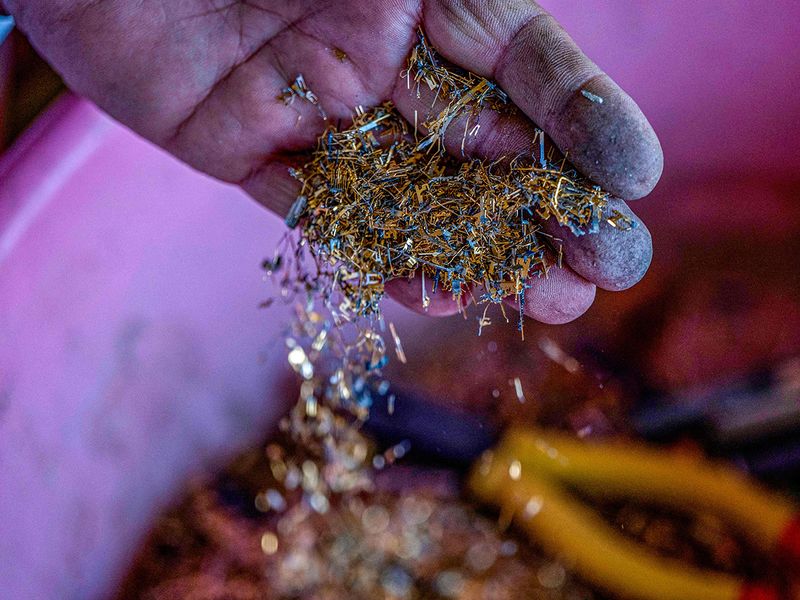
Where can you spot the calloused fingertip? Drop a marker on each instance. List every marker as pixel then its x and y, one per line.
pixel 409 293
pixel 560 297
pixel 613 259
pixel 608 138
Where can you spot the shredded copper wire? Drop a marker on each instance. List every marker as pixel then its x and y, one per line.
pixel 377 204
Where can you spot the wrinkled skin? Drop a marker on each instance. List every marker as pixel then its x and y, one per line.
pixel 200 78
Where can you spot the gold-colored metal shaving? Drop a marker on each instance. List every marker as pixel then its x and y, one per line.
pixel 376 204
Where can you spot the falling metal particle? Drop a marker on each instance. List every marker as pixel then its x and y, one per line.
pixel 483 321
pixel 319 341
pixel 297 357
pixel 269 543
pixel 554 352
pixel 534 506
pixel 319 503
pixel 311 407
pixel 518 390
pixel 398 345
pixel 275 500
pixel 426 301
pixel 272 266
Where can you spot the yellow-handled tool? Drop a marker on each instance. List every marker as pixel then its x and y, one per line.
pixel 526 475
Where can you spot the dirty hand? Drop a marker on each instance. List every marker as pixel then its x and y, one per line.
pixel 201 79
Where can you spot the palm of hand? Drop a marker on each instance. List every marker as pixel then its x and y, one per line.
pixel 202 79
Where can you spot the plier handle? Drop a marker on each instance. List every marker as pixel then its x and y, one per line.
pixel 528 473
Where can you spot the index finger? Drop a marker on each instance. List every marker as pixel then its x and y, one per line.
pixel 524 49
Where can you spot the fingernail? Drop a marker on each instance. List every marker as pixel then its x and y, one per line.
pixel 6 25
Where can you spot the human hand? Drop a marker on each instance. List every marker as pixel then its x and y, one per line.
pixel 201 79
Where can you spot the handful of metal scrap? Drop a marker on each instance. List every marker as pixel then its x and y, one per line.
pixel 378 203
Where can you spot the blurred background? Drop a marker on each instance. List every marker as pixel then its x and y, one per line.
pixel 702 358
